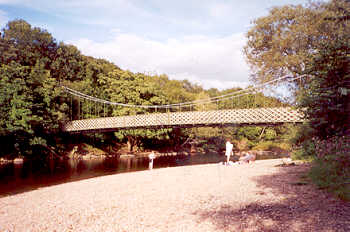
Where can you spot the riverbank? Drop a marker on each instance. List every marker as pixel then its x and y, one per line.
pixel 262 196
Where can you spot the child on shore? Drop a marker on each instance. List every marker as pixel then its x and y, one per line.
pixel 247 158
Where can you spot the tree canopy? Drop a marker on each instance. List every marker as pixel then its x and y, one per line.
pixel 313 40
pixel 284 42
pixel 33 68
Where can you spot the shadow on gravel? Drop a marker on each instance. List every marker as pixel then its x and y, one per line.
pixel 303 208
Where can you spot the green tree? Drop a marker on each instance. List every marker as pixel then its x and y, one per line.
pixel 281 43
pixel 25 45
pixel 68 64
pixel 136 90
pixel 31 101
pixel 204 103
pixel 326 98
pixel 15 106
pixel 177 91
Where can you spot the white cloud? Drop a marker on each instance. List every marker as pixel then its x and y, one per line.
pixel 220 10
pixel 209 61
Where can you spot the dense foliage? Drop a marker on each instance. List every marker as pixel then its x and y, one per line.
pixel 332 165
pixel 327 98
pixel 34 66
pixel 327 95
pixel 314 41
pixel 30 100
pixel 285 41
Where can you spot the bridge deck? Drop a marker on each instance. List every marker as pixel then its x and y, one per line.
pixel 188 119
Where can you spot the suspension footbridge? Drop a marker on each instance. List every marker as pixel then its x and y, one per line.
pixel 258 116
pixel 186 114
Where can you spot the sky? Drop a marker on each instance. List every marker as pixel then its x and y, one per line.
pixel 197 40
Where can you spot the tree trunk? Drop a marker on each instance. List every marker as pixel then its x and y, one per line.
pixel 262 132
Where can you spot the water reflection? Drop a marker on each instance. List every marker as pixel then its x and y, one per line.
pixel 30 175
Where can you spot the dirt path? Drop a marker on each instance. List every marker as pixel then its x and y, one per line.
pixel 256 197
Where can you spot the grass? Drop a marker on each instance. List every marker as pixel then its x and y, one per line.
pixel 330 164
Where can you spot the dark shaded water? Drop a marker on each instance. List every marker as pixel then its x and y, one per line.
pixel 31 175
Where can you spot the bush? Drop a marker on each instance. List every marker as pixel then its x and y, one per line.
pixel 270 134
pixel 241 144
pixel 299 134
pixel 271 146
pixel 307 151
pixel 331 167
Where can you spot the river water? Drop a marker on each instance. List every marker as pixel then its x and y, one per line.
pixel 31 175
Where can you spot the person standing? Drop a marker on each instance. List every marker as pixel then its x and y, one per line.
pixel 151 157
pixel 229 147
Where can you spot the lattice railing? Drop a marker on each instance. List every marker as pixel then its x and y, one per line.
pixel 186 119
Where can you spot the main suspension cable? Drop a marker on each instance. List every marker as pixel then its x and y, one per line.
pixel 232 95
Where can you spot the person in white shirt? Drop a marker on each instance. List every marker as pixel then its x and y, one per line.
pixel 229 152
pixel 151 157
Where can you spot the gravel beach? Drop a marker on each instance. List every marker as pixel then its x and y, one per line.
pixel 251 197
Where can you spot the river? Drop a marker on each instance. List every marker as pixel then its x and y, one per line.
pixel 30 175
